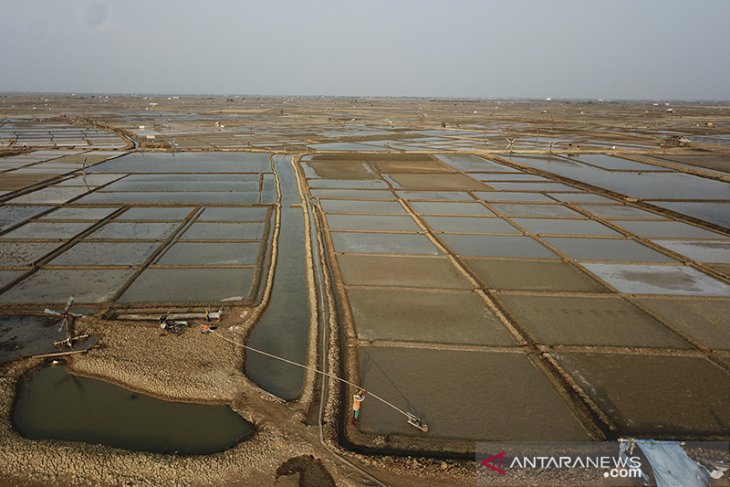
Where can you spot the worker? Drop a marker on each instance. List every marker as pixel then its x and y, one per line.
pixel 357 400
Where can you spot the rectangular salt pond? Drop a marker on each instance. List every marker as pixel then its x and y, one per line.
pixel 25 254
pixel 621 212
pixel 105 254
pixel 80 214
pixel 614 163
pixel 490 196
pixel 383 243
pixel 134 231
pixel 530 210
pixel 715 251
pixel 601 249
pixel 659 279
pixel 155 214
pixel 171 198
pixel 198 254
pixel 554 226
pixel 354 194
pixel 372 207
pixel 192 286
pixel 420 315
pixel 346 184
pixel 224 231
pixel 449 208
pixel 46 231
pixel 252 214
pixel 52 286
pixel 455 224
pixel 496 246
pixel 372 222
pixel 668 229
pixel 186 162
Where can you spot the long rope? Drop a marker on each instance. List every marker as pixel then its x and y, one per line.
pixel 314 369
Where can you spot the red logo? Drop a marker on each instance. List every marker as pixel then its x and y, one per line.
pixel 488 462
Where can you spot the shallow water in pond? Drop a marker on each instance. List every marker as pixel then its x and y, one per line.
pixel 54 404
pixel 283 329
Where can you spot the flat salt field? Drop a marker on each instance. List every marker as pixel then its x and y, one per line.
pixel 633 390
pixel 495 295
pixel 406 271
pixel 383 243
pixel 556 265
pixel 425 316
pixel 496 246
pixel 151 211
pixel 192 285
pixel 372 222
pixel 532 411
pixel 556 320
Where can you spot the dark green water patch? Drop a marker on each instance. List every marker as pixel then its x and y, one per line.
pixel 53 404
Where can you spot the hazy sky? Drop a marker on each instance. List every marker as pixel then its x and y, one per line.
pixel 656 49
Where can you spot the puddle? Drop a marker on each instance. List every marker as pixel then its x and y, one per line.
pixel 54 404
pixel 283 329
